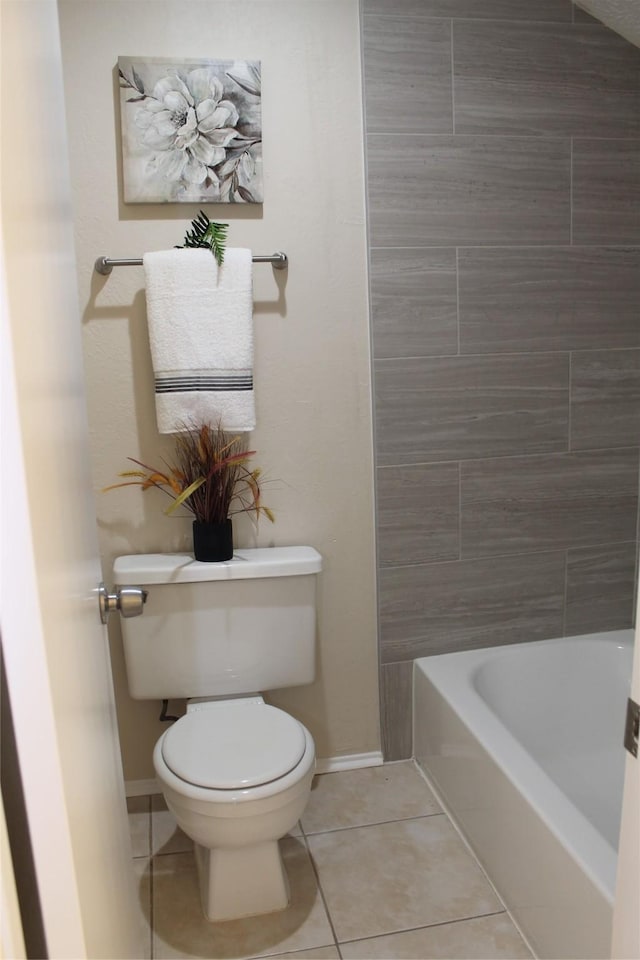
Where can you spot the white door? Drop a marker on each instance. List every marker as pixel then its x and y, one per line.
pixel 55 648
pixel 626 916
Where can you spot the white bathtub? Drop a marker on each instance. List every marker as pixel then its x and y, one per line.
pixel 523 744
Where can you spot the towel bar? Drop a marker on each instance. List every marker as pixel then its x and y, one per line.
pixel 105 265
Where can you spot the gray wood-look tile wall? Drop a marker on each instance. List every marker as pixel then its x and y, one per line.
pixel 503 174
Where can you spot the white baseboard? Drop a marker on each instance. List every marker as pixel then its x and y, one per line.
pixel 352 761
pixel 141 788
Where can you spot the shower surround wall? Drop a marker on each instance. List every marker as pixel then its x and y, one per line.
pixel 503 155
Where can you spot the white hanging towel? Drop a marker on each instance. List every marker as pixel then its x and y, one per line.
pixel 200 320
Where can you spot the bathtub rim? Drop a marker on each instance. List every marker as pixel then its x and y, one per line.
pixel 568 824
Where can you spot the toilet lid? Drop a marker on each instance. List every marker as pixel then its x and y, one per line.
pixel 233 744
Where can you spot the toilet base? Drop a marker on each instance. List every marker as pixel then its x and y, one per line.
pixel 240 882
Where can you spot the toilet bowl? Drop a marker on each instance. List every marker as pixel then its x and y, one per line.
pixel 236 774
pixel 235 771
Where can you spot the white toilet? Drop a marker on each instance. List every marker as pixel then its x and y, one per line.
pixel 235 771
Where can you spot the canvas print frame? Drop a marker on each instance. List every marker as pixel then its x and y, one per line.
pixel 191 130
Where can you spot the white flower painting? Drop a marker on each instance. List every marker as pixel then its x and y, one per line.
pixel 191 130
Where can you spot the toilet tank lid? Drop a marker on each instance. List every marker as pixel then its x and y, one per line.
pixel 246 564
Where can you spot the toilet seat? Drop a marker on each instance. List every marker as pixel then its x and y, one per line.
pixel 233 744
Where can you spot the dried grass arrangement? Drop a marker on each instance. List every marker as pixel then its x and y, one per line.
pixel 209 476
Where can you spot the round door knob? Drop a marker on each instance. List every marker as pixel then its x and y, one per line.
pixel 128 601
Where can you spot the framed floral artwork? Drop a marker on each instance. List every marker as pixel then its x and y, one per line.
pixel 191 130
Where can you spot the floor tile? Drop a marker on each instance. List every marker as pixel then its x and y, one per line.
pixel 166 835
pixel 316 953
pixel 139 825
pixel 353 798
pixel 181 930
pixel 395 876
pixel 142 874
pixel 483 938
pixel 138 804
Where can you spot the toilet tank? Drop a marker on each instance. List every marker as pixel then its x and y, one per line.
pixel 210 629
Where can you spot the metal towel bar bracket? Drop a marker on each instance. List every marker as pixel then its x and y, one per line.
pixel 105 265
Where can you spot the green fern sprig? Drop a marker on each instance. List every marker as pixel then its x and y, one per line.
pixel 207 233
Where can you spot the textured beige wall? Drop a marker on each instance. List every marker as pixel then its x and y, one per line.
pixel 312 367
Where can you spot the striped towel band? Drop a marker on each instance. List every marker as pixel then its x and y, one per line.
pixel 188 384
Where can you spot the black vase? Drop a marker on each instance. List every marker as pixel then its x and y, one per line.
pixel 212 542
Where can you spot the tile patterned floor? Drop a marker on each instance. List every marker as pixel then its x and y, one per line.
pixel 376 871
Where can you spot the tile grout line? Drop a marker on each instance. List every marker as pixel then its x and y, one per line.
pixel 151 871
pixel 560 351
pixel 427 926
pixel 570 391
pixel 453 99
pixel 504 456
pixel 459 510
pixel 557 548
pixel 566 591
pixel 472 852
pixel 149 828
pixel 151 912
pixel 321 891
pixel 503 911
pixel 635 568
pixel 580 452
pixel 410 18
pixel 507 246
pixel 458 299
pixel 336 943
pixel 535 138
pixel 173 853
pixel 377 823
pixel 571 192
